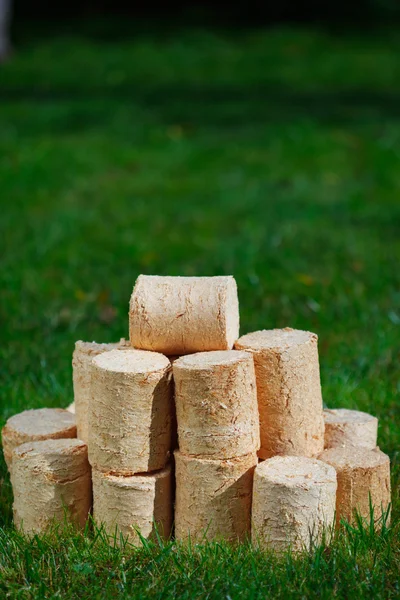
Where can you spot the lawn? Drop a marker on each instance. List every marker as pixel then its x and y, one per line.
pixel 272 155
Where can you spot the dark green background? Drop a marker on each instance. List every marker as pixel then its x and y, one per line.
pixel 269 154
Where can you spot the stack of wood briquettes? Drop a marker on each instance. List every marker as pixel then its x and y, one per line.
pixel 257 454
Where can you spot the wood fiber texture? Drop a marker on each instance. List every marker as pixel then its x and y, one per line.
pixel 363 480
pixel 34 425
pixel 138 504
pixel 182 315
pixel 293 502
pixel 51 482
pixel 213 497
pixel 350 428
pixel 131 415
pixel 81 373
pixel 216 404
pixel 288 390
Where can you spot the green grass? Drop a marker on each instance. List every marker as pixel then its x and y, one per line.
pixel 273 155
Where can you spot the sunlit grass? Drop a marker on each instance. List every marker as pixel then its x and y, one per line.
pixel 273 155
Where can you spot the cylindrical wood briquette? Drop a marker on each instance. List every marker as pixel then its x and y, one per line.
pixel 293 502
pixel 363 482
pixel 216 404
pixel 345 427
pixel 131 412
pixel 51 482
pixel 133 505
pixel 82 371
pixel 213 497
pixel 182 315
pixel 34 425
pixel 288 391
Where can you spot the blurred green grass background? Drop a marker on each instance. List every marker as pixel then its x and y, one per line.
pixel 272 155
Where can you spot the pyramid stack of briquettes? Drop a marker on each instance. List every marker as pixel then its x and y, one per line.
pixel 257 454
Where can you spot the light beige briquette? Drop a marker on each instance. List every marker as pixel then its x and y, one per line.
pixel 81 373
pixel 182 315
pixel 131 414
pixel 133 505
pixel 51 482
pixel 216 404
pixel 345 427
pixel 293 503
pixel 34 425
pixel 363 476
pixel 288 390
pixel 213 497
pixel 71 408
